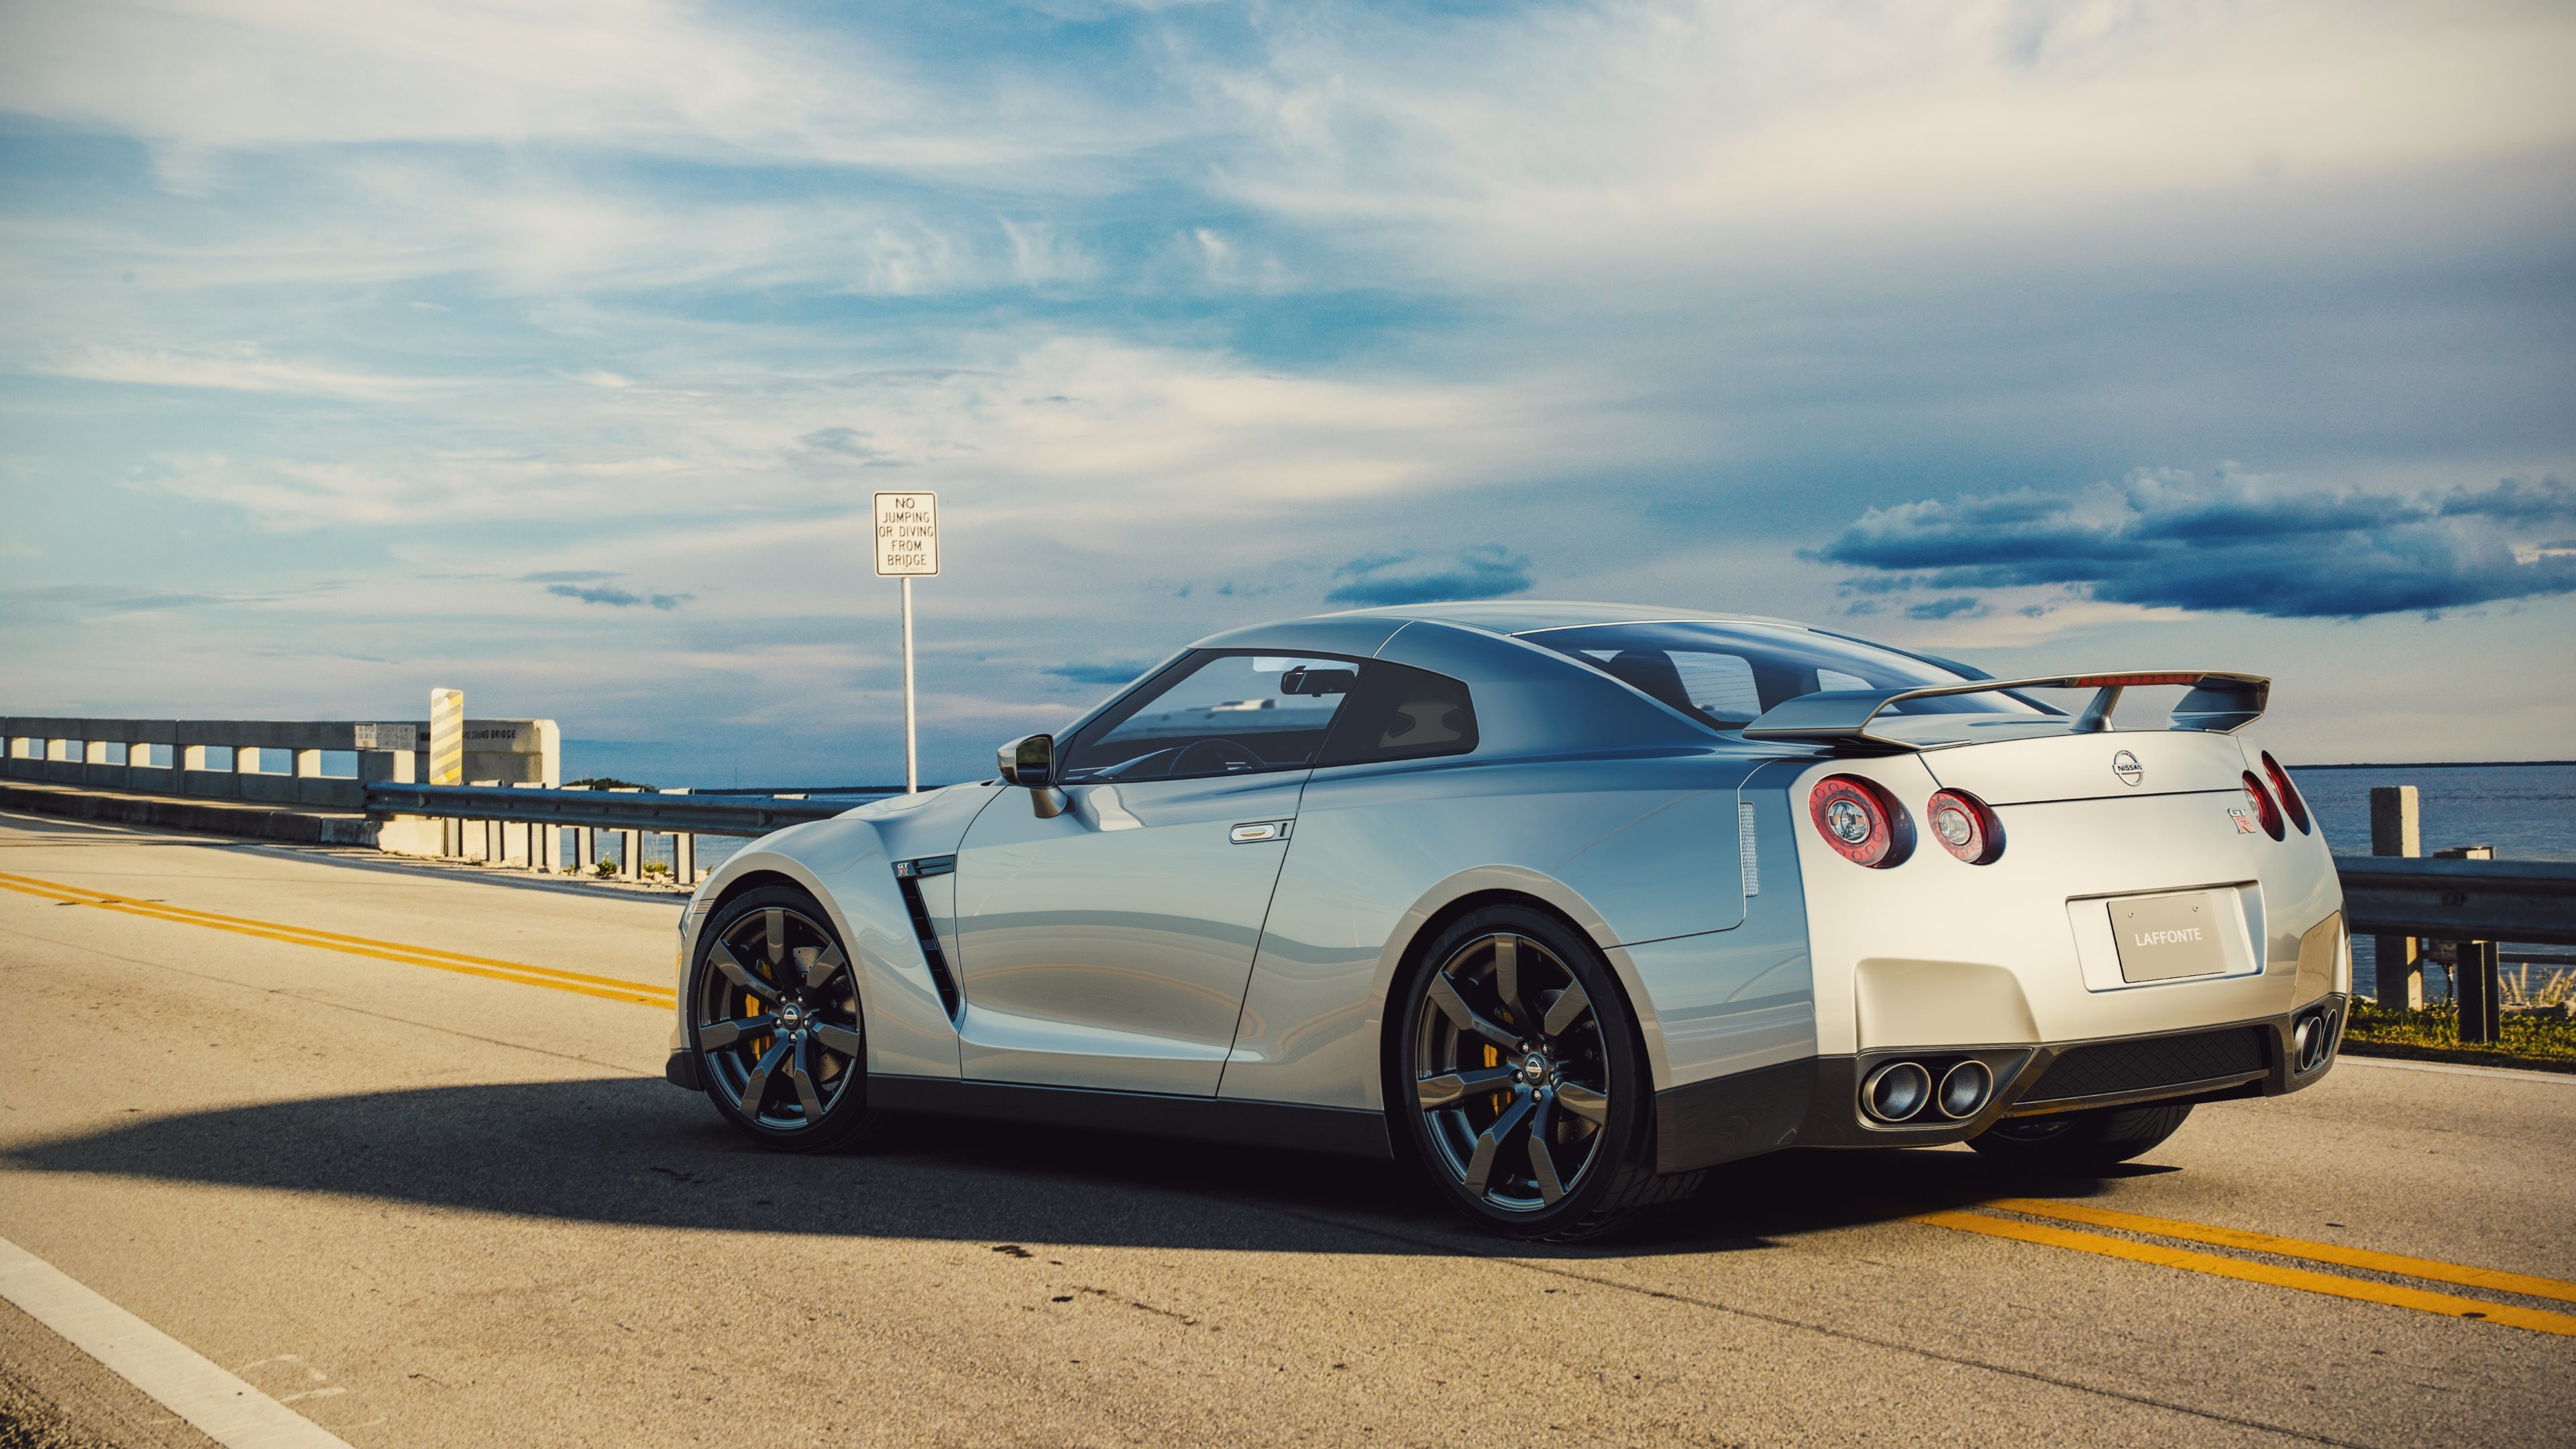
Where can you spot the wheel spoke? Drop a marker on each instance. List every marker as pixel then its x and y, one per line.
pixel 1542 1158
pixel 773 923
pixel 1507 978
pixel 837 1038
pixel 1480 1168
pixel 756 1086
pixel 1450 1088
pixel 800 1070
pixel 717 1035
pixel 1583 1102
pixel 820 964
pixel 739 974
pixel 1569 1005
pixel 1445 996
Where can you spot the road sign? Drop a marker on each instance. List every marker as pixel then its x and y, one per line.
pixel 907 535
pixel 908 548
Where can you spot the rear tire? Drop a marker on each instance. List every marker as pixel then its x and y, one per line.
pixel 1517 1076
pixel 775 1023
pixel 2081 1142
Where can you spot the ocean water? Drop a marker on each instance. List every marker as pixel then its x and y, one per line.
pixel 2527 812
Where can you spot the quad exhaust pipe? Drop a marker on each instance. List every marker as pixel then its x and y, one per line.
pixel 2312 1040
pixel 1900 1091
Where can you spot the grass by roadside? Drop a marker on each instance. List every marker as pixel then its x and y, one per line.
pixel 2534 1043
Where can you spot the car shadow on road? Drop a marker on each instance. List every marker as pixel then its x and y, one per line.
pixel 635 1151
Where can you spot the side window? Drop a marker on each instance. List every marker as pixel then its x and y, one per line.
pixel 1218 714
pixel 1401 713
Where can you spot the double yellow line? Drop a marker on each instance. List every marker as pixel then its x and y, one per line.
pixel 607 988
pixel 2306 1280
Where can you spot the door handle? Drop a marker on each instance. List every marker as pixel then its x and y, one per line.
pixel 1258 831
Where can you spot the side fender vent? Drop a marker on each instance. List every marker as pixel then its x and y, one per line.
pixel 907 879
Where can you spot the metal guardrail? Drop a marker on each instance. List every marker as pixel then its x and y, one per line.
pixel 602 809
pixel 2459 900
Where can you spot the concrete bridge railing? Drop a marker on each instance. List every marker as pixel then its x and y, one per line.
pixel 275 762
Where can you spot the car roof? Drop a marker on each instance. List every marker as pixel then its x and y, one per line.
pixel 1520 616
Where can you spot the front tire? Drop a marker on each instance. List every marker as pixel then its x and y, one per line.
pixel 1518 1077
pixel 776 1025
pixel 2081 1143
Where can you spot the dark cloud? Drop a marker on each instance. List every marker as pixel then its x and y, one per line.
pixel 848 442
pixel 618 598
pixel 2229 542
pixel 1113 672
pixel 1949 608
pixel 567 576
pixel 1485 571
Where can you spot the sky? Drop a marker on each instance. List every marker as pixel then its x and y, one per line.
pixel 554 352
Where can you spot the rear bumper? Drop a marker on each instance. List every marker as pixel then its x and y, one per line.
pixel 1817 1102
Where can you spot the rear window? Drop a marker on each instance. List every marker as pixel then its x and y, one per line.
pixel 1728 675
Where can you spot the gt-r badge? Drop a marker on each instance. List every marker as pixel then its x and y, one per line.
pixel 2244 819
pixel 2126 766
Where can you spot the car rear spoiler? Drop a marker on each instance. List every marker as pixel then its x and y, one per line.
pixel 2218 703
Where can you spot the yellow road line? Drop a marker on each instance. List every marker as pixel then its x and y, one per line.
pixel 2399 1264
pixel 608 988
pixel 2445 1304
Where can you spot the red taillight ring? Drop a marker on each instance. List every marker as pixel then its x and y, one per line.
pixel 2288 792
pixel 1862 822
pixel 1980 836
pixel 2264 809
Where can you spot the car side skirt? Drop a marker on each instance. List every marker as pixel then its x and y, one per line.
pixel 1343 1130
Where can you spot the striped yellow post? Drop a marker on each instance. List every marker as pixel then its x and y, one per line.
pixel 447 737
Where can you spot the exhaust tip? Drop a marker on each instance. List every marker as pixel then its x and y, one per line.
pixel 1964 1089
pixel 1896 1092
pixel 2312 1040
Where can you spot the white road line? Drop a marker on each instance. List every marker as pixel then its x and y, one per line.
pixel 2452 1069
pixel 231 1412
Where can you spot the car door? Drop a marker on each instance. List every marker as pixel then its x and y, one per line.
pixel 1108 946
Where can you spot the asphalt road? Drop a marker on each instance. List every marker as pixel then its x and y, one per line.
pixel 428 1198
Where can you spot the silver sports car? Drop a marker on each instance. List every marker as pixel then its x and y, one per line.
pixel 1564 902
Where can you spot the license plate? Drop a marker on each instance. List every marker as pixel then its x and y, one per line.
pixel 2164 938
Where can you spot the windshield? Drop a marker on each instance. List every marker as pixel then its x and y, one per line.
pixel 1728 675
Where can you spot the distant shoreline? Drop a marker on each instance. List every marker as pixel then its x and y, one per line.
pixel 2435 765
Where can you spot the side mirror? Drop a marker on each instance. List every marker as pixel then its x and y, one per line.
pixel 1028 761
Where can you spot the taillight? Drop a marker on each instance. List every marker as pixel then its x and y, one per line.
pixel 2288 792
pixel 2264 809
pixel 1863 823
pixel 1965 827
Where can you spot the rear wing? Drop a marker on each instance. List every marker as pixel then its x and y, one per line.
pixel 2218 703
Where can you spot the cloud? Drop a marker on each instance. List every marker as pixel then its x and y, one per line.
pixel 617 598
pixel 848 442
pixel 1949 608
pixel 239 369
pixel 567 576
pixel 1110 673
pixel 2229 542
pixel 1485 571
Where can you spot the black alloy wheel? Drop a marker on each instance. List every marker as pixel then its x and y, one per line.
pixel 1520 1080
pixel 775 1021
pixel 2081 1143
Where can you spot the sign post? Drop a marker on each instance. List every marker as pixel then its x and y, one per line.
pixel 908 547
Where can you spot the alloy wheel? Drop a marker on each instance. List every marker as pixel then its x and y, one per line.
pixel 1512 1078
pixel 777 1018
